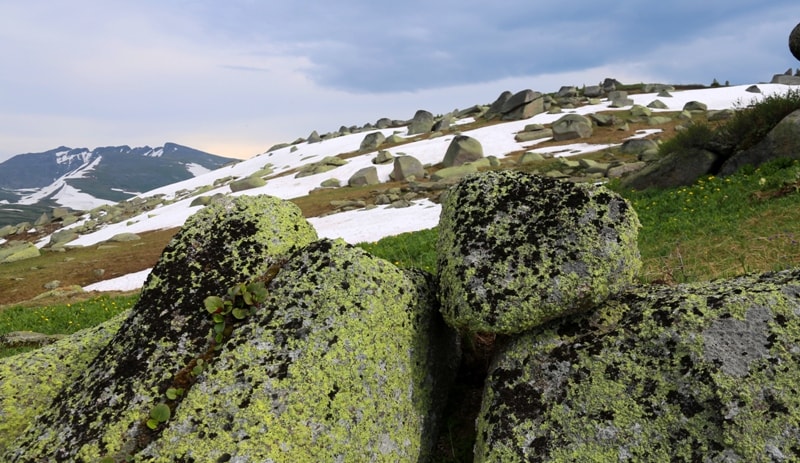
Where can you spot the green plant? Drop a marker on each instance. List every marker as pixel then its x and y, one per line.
pixel 159 414
pixel 240 301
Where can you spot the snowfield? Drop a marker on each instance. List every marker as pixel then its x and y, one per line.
pixel 374 224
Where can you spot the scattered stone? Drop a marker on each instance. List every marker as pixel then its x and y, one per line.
pixel 658 120
pixel 124 238
pixel 783 141
pixel 640 111
pixel 680 168
pixel 406 167
pixel 638 146
pixel 365 176
pixel 695 106
pixel 657 104
pixel 462 149
pixel 51 285
pixel 330 183
pixel 421 123
pixel 7 230
pixel 753 89
pixel 99 272
pixel 688 373
pixel 720 115
pixel 602 120
pixel 530 157
pixel 372 141
pixel 516 250
pixel 523 105
pixel 593 167
pixel 383 157
pixel 527 136
pixel 17 251
pixel 314 137
pixel 572 126
pixel 455 171
pixel 593 91
pixel 43 219
pixel 328 163
pixel 664 94
pixel 624 169
pixel 247 183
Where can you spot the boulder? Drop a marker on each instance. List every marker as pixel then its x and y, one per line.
pixel 365 176
pixel 247 183
pixel 720 114
pixel 638 146
pixel 421 123
pixel 6 230
pixel 704 372
pixel 372 141
pixel 530 157
pixel 593 91
pixel 785 79
pixel 680 168
pixel 495 109
pixel 34 378
pixel 314 137
pixel 124 237
pixel 695 106
pixel 346 360
pixel 17 251
pixel 783 141
pixel 572 126
pixel 383 157
pixel 625 169
pixel 62 237
pixel 43 219
pixel 330 183
pixel 462 149
pixel 102 413
pixel 532 135
pixel 406 167
pixel 328 163
pixel 522 105
pixel 794 41
pixel 753 89
pixel 454 172
pixel 640 111
pixel 516 250
pixel 657 104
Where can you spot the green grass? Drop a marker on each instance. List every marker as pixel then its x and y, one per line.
pixel 415 249
pixel 61 318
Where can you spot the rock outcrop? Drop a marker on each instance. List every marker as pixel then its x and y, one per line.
pixel 783 141
pixel 102 412
pixel 703 372
pixel 517 250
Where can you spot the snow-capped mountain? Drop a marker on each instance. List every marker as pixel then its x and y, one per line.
pixel 81 179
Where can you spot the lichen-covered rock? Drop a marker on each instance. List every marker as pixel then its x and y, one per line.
pixel 345 361
pixel 572 126
pixel 29 381
pixel 247 183
pixel 18 251
pixel 406 167
pixel 516 250
pixel 462 149
pixel 103 412
pixel 706 372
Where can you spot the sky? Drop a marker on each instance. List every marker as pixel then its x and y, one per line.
pixel 233 78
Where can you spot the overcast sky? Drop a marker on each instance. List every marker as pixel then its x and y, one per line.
pixel 234 77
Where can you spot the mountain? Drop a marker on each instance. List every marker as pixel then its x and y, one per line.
pixel 81 179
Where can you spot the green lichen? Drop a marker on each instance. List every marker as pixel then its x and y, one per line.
pixel 103 412
pixel 706 372
pixel 517 250
pixel 339 364
pixel 29 381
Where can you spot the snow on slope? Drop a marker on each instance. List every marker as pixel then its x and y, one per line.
pixel 373 224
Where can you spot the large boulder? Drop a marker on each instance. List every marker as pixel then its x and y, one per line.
pixel 783 141
pixel 522 105
pixel 495 109
pixel 407 167
pixel 462 149
pixel 247 183
pixel 516 250
pixel 16 251
pixel 572 126
pixel 705 372
pixel 102 413
pixel 365 176
pixel 794 42
pixel 421 123
pixel 29 381
pixel 679 168
pixel 347 360
pixel 372 141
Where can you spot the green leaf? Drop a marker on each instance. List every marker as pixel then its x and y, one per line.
pixel 218 318
pixel 240 314
pixel 213 303
pixel 160 413
pixel 152 424
pixel 218 338
pixel 197 370
pixel 173 393
pixel 258 290
pixel 219 328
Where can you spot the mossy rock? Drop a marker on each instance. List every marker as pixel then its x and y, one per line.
pixel 704 372
pixel 19 252
pixel 516 250
pixel 29 381
pixel 247 183
pixel 103 412
pixel 347 360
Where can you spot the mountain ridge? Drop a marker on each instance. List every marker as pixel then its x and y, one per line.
pixel 80 178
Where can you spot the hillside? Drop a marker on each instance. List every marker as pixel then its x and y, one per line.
pixel 80 179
